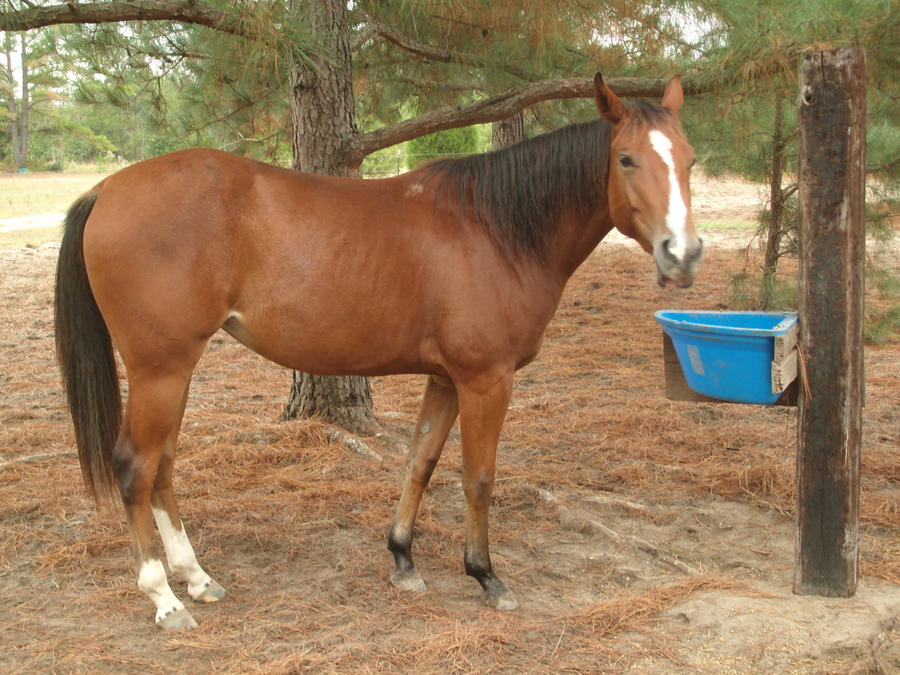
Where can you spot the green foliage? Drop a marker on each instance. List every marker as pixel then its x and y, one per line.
pixel 883 144
pixel 756 48
pixel 884 326
pixel 783 293
pixel 386 162
pixel 883 313
pixel 453 142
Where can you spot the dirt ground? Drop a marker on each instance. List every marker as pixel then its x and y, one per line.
pixel 641 535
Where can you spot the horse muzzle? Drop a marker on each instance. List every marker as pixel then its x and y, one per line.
pixel 676 266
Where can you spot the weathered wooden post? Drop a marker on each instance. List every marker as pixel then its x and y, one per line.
pixel 832 119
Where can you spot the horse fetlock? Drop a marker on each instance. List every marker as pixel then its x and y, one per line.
pixel 400 544
pixel 479 567
pixel 153 582
pixel 495 594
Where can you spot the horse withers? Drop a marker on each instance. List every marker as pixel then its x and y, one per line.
pixel 452 271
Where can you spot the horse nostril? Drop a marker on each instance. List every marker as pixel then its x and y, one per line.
pixel 667 250
pixel 695 252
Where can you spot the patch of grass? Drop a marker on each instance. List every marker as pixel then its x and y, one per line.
pixel 724 225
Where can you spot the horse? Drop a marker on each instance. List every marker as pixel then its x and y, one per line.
pixel 452 271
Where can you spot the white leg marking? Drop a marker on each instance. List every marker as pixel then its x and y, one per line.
pixel 152 581
pixel 676 215
pixel 180 554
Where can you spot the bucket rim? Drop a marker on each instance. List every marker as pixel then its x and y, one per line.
pixel 667 321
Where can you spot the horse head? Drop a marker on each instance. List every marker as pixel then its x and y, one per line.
pixel 649 180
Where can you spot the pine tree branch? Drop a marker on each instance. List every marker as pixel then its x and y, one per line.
pixel 185 11
pixel 495 108
pixel 372 28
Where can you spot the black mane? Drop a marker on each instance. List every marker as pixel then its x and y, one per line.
pixel 518 193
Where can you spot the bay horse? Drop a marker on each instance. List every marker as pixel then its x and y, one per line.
pixel 452 271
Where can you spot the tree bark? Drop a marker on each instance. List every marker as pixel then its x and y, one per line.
pixel 322 114
pixel 20 153
pixel 776 209
pixel 187 11
pixel 18 108
pixel 508 132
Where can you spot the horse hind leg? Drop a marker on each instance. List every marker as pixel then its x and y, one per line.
pixel 152 418
pixel 179 553
pixel 438 412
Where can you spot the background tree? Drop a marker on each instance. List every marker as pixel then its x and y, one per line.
pixel 508 131
pixel 30 75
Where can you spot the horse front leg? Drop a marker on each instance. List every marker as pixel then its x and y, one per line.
pixel 482 409
pixel 439 410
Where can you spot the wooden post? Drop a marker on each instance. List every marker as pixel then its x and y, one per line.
pixel 832 109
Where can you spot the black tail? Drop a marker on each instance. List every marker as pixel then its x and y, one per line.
pixel 86 358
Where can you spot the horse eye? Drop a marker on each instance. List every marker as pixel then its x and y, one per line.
pixel 626 162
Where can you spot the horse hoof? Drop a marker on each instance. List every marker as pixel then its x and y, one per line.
pixel 178 620
pixel 408 580
pixel 212 592
pixel 504 601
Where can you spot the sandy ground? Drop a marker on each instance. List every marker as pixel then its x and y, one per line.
pixel 641 535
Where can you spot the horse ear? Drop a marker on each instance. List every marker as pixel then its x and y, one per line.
pixel 673 98
pixel 610 107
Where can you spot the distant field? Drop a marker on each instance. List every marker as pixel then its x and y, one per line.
pixel 31 237
pixel 32 204
pixel 37 193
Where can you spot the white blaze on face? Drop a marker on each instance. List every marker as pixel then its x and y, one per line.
pixel 676 214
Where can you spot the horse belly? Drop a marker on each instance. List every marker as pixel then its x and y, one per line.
pixel 328 340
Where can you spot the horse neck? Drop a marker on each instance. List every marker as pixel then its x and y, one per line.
pixel 575 237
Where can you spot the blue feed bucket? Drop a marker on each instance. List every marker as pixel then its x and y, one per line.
pixel 727 355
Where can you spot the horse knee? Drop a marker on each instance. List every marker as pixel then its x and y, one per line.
pixel 423 469
pixel 478 488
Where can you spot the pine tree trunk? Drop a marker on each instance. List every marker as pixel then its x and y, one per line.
pixel 14 106
pixel 776 209
pixel 21 153
pixel 508 131
pixel 322 115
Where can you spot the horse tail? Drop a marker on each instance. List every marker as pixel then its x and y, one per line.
pixel 86 359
